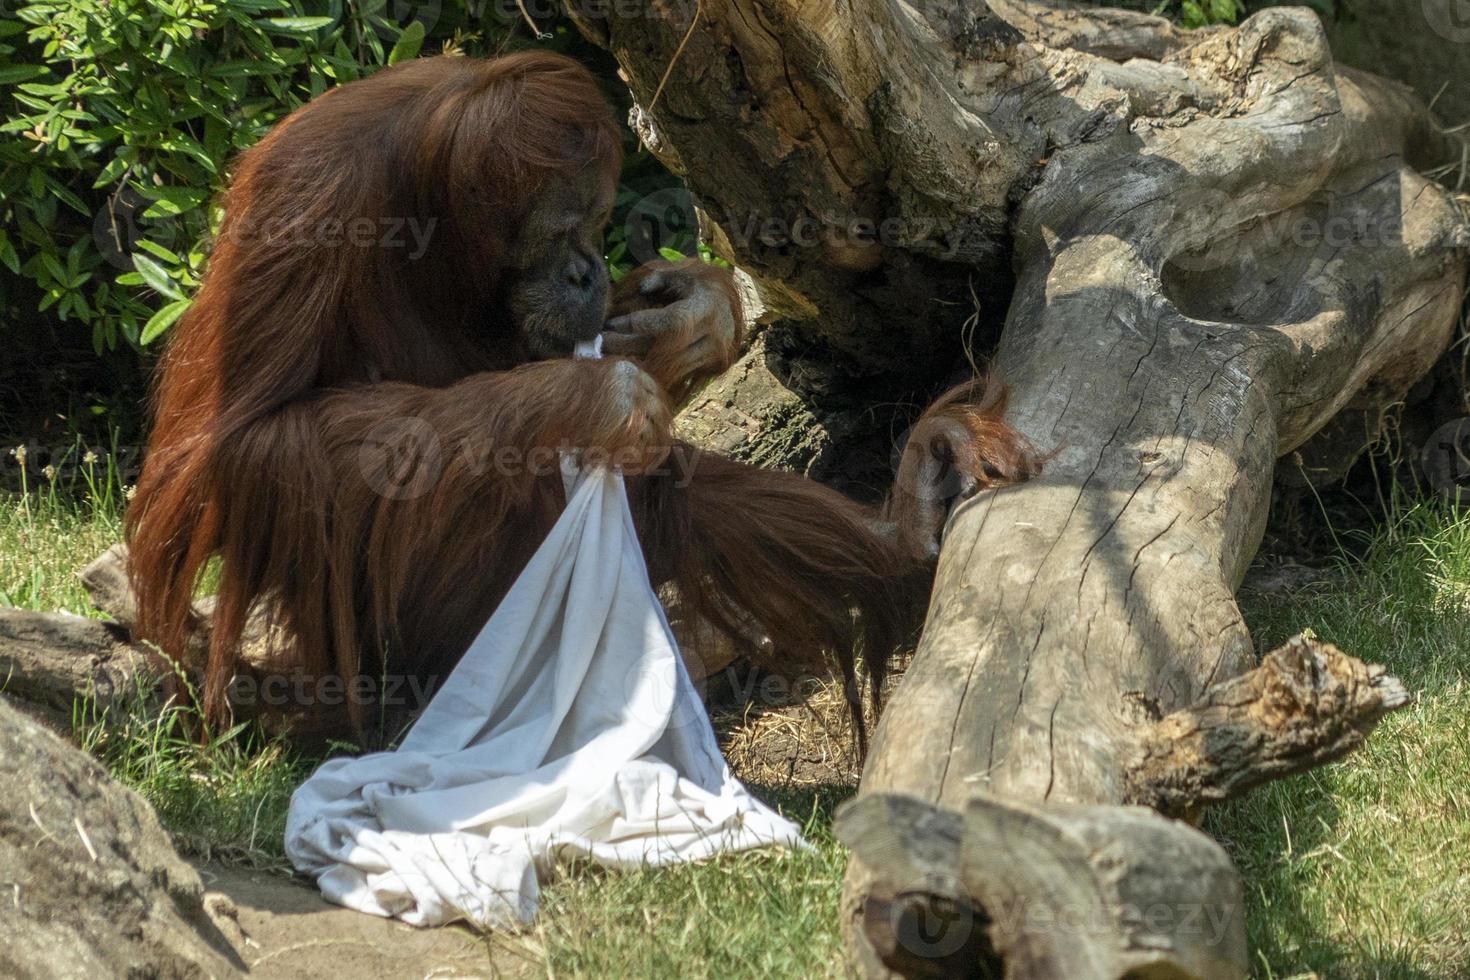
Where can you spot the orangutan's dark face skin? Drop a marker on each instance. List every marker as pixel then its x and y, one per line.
pixel 558 281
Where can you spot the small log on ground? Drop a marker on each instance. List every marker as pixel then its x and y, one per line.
pixel 106 580
pixel 1082 892
pixel 107 584
pixel 707 650
pixel 281 703
pixel 51 660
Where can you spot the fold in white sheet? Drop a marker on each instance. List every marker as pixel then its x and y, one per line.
pixel 569 729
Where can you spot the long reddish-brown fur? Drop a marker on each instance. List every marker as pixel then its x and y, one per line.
pixel 301 362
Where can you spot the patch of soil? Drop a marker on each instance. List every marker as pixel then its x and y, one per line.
pixel 284 930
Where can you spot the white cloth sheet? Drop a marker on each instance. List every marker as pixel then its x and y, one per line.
pixel 570 728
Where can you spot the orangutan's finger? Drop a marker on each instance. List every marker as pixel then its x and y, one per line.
pixel 659 320
pixel 616 344
pixel 652 283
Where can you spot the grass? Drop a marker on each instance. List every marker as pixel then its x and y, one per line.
pixel 1360 869
pixel 225 799
pixel 751 915
pixel 70 515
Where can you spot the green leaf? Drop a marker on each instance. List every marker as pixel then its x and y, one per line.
pixel 112 171
pixel 11 74
pixel 162 320
pixel 67 197
pixel 54 267
pixel 153 248
pixel 155 276
pixel 298 25
pixel 189 145
pixel 7 254
pixel 169 200
pixel 49 90
pixel 672 254
pixel 409 43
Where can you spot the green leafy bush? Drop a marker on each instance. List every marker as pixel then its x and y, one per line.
pixel 1201 13
pixel 122 117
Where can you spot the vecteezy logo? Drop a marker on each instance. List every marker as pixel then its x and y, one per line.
pixel 1450 19
pixel 120 224
pixel 932 926
pixel 663 219
pixel 401 458
pixel 1445 459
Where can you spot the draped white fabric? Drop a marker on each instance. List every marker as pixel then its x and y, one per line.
pixel 570 728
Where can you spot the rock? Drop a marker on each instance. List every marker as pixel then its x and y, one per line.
pixel 106 582
pixel 90 885
pixel 706 649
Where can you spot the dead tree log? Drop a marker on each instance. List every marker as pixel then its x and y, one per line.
pixel 51 660
pixel 1082 892
pixel 1219 241
pixel 1106 891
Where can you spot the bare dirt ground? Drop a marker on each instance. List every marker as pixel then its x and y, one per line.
pixel 284 930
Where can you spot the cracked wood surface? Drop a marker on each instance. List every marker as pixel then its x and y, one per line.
pixel 1306 704
pixel 1081 892
pixel 1105 891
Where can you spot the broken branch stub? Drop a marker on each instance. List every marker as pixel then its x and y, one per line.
pixel 1307 704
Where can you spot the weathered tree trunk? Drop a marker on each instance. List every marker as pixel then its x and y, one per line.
pixel 1220 240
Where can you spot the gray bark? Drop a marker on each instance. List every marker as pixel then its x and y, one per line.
pixel 51 660
pixel 1082 892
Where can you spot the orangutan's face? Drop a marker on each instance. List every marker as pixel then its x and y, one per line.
pixel 557 290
